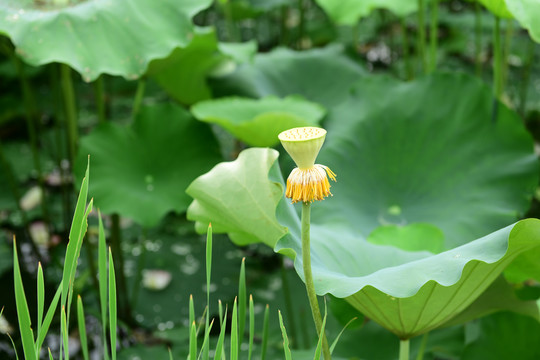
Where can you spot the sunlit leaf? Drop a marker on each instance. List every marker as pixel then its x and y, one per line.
pixel 258 122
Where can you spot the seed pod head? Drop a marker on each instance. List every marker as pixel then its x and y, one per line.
pixel 303 144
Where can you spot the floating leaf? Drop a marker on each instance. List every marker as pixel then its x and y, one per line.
pixel 141 171
pixel 99 36
pixel 320 75
pixel 258 122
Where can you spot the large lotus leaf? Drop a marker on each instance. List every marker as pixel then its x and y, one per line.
pixel 348 12
pixel 183 73
pixel 258 122
pixel 99 36
pixel 141 171
pixel 527 13
pixel 427 151
pixel 320 75
pixel 407 292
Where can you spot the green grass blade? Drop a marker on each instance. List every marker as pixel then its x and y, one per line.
pixel 193 341
pixel 40 301
pixel 170 354
pixel 286 349
pixel 14 347
pixel 23 314
pixel 205 349
pixel 103 282
pixel 50 354
pixel 251 325
pixel 220 309
pixel 221 339
pixel 191 310
pixel 242 302
pixel 266 322
pixel 64 331
pixel 341 333
pixel 76 233
pixel 208 277
pixel 318 350
pixel 48 318
pixel 82 327
pixel 112 305
pixel 234 332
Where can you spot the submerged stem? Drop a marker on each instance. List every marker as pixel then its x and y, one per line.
pixel 310 287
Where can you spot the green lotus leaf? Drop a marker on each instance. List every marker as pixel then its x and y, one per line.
pixel 258 122
pixel 412 237
pixel 497 7
pixel 371 277
pixel 99 36
pixel 141 171
pixel 320 75
pixel 348 12
pixel 416 153
pixel 404 153
pixel 243 184
pixel 183 73
pixel 527 13
pixel 505 336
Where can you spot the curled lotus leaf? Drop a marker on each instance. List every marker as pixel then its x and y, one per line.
pixel 99 36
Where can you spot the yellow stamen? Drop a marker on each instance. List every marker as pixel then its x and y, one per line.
pixel 310 184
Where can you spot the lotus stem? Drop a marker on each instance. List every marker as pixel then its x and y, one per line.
pixel 422 349
pixel 70 109
pixel 30 106
pixel 506 52
pixel 422 35
pixel 310 287
pixel 478 38
pixel 404 349
pixel 409 72
pixel 497 59
pixel 100 98
pixel 433 35
pixel 289 306
pixel 526 78
pixel 139 94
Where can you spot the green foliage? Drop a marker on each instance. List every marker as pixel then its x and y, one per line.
pixel 420 302
pixel 348 12
pixel 146 161
pixel 324 76
pixel 74 34
pixel 259 122
pixel 183 73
